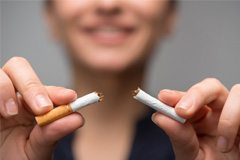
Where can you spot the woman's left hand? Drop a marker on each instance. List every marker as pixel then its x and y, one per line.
pixel 212 131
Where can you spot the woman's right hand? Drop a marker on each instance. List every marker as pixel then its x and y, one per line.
pixel 22 97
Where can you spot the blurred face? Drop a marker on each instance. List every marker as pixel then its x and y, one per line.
pixel 109 35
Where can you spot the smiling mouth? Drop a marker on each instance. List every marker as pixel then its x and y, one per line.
pixel 109 34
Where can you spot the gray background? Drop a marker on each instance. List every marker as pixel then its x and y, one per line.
pixel 206 44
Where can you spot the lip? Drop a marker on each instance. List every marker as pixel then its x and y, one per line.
pixel 108 33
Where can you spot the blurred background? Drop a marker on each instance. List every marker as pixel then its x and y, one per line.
pixel 206 43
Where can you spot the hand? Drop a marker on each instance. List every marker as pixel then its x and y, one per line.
pixel 212 130
pixel 22 96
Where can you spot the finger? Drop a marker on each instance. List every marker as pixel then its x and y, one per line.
pixel 172 97
pixel 206 92
pixel 229 121
pixel 8 102
pixel 182 136
pixel 43 139
pixel 60 95
pixel 28 85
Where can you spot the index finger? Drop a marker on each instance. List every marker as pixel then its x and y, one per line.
pixel 28 85
pixel 209 91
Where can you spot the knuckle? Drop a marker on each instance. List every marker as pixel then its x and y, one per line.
pixel 216 85
pixel 236 88
pixel 213 81
pixel 30 83
pixel 30 87
pixel 14 60
pixel 17 60
pixel 197 89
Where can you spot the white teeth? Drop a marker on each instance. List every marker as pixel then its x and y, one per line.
pixel 108 29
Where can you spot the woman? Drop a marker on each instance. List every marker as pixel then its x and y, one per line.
pixel 108 44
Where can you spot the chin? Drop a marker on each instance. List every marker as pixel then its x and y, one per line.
pixel 107 63
pixel 110 68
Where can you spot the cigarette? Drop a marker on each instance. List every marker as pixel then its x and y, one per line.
pixel 64 110
pixel 154 103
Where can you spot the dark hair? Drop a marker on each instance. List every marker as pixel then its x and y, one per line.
pixel 173 4
pixel 47 4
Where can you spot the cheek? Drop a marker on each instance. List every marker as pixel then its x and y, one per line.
pixel 67 9
pixel 149 9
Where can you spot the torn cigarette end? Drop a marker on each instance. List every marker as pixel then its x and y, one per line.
pixel 101 96
pixel 64 110
pixel 135 92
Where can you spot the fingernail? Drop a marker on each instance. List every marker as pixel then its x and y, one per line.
pixel 42 101
pixel 153 116
pixel 167 90
pixel 11 107
pixel 222 144
pixel 185 104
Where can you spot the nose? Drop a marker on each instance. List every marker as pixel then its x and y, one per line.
pixel 108 7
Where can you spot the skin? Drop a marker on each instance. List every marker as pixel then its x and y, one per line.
pixel 212 111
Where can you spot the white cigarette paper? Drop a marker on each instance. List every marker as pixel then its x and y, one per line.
pixel 85 101
pixel 154 103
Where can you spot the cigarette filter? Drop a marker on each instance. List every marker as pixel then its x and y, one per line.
pixel 154 103
pixel 64 110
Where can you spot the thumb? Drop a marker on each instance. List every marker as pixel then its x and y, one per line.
pixel 43 139
pixel 182 136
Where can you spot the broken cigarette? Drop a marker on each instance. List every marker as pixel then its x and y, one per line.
pixel 154 103
pixel 64 110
